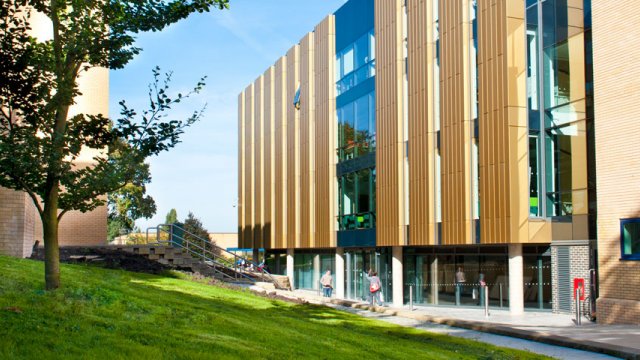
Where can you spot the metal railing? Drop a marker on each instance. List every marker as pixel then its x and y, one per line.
pixel 226 264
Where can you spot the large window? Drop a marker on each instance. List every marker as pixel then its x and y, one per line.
pixel 357 200
pixel 356 63
pixel 357 127
pixel 557 111
pixel 630 239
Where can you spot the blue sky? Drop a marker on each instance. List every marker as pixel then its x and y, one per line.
pixel 232 48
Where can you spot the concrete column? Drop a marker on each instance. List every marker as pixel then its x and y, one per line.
pixel 290 267
pixel 339 276
pixel 316 271
pixel 516 289
pixel 397 272
pixel 433 281
pixel 256 256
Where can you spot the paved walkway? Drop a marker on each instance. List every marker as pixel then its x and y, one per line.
pixel 503 329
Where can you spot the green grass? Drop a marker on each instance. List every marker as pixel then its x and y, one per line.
pixel 100 313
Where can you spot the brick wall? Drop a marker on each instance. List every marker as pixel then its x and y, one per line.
pixel 12 223
pixel 578 268
pixel 616 30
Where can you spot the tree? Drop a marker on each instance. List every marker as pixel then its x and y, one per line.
pixel 196 236
pixel 172 217
pixel 128 204
pixel 39 140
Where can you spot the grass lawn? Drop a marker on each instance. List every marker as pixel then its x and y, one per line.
pixel 111 314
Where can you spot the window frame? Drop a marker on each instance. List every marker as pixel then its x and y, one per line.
pixel 623 256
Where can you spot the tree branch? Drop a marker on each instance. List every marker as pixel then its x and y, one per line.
pixel 28 190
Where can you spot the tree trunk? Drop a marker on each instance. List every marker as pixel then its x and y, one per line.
pixel 51 249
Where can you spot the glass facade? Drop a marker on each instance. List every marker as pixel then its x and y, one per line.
pixel 357 127
pixel 359 261
pixel 356 63
pixel 453 276
pixel 357 201
pixel 557 108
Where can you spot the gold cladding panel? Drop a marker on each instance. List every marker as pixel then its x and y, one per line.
pixel 248 167
pixel 280 150
pixel 258 163
pixel 306 128
pixel 420 49
pixel 293 146
pixel 324 149
pixel 241 161
pixel 503 159
pixel 268 190
pixel 389 152
pixel 456 126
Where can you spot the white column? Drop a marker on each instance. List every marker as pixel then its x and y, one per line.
pixel 290 267
pixel 316 272
pixel 339 276
pixel 516 288
pixel 396 271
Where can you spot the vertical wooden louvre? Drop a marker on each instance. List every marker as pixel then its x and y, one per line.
pixel 248 167
pixel 324 152
pixel 420 48
pixel 268 191
pixel 241 174
pixel 389 151
pixel 293 144
pixel 456 125
pixel 280 150
pixel 503 160
pixel 306 128
pixel 258 162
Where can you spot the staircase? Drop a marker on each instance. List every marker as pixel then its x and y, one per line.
pixel 175 246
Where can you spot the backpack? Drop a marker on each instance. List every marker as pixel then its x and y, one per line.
pixel 375 286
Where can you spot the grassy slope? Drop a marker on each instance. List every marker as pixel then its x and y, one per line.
pixel 101 313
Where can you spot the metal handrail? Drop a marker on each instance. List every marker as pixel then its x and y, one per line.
pixel 214 255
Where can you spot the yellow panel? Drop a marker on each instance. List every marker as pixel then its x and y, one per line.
pixel 280 149
pixel 293 147
pixel 456 125
pixel 306 128
pixel 504 197
pixel 258 163
pixel 241 160
pixel 248 168
pixel 420 49
pixel 389 149
pixel 268 181
pixel 324 153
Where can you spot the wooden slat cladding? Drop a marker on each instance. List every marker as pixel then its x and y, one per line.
pixel 389 152
pixel 307 129
pixel 324 153
pixel 456 125
pixel 280 151
pixel 258 159
pixel 268 190
pixel 241 160
pixel 421 49
pixel 293 144
pixel 503 157
pixel 248 168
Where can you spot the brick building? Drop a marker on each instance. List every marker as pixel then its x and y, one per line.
pixel 20 224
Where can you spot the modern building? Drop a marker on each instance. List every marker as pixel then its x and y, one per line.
pixel 20 225
pixel 438 141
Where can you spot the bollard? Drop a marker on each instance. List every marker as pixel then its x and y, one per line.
pixel 486 301
pixel 500 295
pixel 577 294
pixel 411 297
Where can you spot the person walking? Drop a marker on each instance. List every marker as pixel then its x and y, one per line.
pixel 327 283
pixel 375 288
pixel 460 280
